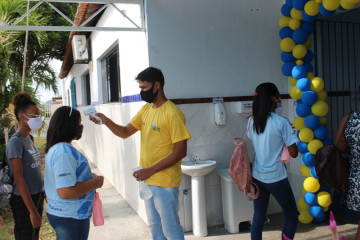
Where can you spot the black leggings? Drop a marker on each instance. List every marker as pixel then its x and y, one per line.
pixel 23 229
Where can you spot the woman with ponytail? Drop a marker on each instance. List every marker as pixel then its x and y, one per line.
pixel 268 132
pixel 24 160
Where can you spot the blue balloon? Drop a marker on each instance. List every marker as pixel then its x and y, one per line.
pixel 308 159
pixel 327 141
pixel 321 132
pixel 302 147
pixel 316 211
pixel 320 218
pixel 303 84
pixel 285 32
pixel 303 110
pixel 289 3
pixel 308 18
pixel 308 27
pixel 309 97
pixel 309 56
pixel 299 4
pixel 312 121
pixel 309 67
pixel 287 57
pixel 298 101
pixel 325 12
pixel 313 172
pixel 285 10
pixel 298 71
pixel 287 67
pixel 310 199
pixel 300 36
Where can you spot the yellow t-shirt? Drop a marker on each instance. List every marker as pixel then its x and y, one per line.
pixel 160 129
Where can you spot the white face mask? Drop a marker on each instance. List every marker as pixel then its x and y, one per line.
pixel 34 123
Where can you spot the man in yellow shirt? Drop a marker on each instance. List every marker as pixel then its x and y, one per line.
pixel 164 139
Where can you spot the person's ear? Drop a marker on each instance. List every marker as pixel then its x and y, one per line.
pixel 157 86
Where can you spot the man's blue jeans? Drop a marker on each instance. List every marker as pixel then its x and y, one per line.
pixel 283 194
pixel 162 214
pixel 70 228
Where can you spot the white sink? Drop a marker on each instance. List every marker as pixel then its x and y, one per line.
pixel 197 172
pixel 201 168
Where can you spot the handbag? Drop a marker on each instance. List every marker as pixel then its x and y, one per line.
pixel 332 166
pixel 240 170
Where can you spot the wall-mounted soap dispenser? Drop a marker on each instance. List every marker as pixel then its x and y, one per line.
pixel 219 114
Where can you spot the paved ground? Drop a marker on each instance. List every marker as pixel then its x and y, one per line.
pixel 122 223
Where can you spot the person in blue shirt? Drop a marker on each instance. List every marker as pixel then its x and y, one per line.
pixel 69 184
pixel 268 132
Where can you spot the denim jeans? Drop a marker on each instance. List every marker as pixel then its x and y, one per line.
pixel 69 228
pixel 283 194
pixel 162 214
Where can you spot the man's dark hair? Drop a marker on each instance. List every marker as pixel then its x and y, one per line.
pixel 152 75
pixel 62 127
pixel 262 105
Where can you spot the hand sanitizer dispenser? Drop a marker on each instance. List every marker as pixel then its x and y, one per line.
pixel 219 114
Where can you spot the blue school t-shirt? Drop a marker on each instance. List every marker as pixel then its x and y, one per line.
pixel 64 167
pixel 267 166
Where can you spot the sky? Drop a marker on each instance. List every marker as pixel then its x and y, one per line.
pixel 46 95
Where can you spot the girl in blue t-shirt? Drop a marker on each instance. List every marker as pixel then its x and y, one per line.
pixel 69 184
pixel 268 132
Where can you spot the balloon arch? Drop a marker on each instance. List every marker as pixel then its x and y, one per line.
pixel 296 26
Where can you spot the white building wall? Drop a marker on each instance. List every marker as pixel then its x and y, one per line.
pixel 205 48
pixel 212 48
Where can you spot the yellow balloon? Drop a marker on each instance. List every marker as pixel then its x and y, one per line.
pixel 322 95
pixel 305 217
pixel 311 8
pixel 317 84
pixel 292 81
pixel 303 191
pixel 299 62
pixel 348 5
pixel 311 184
pixel 313 146
pixel 320 108
pixel 287 44
pixel 284 21
pixel 326 209
pixel 296 14
pixel 302 205
pixel 308 42
pixel 295 93
pixel 310 75
pixel 331 5
pixel 294 24
pixel 299 51
pixel 299 123
pixel 305 171
pixel 324 199
pixel 306 135
pixel 323 120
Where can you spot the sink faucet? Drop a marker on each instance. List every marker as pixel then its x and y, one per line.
pixel 196 159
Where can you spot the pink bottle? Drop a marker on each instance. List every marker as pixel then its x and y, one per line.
pixel 98 217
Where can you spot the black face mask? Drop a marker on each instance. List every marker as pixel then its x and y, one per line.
pixel 79 131
pixel 149 96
